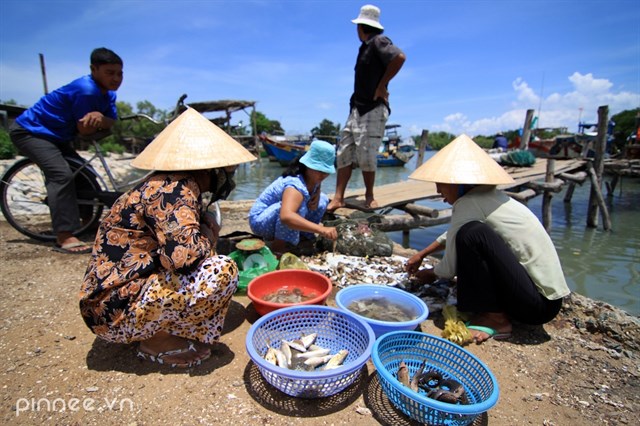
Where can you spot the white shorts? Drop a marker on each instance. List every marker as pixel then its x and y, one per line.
pixel 361 139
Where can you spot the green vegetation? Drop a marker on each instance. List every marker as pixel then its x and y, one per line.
pixel 7 149
pixel 626 125
pixel 327 130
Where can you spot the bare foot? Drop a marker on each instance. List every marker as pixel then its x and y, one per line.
pixel 334 205
pixel 370 203
pixel 490 325
pixel 172 350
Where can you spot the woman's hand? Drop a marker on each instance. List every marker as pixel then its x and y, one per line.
pixel 426 276
pixel 209 227
pixel 328 232
pixel 413 264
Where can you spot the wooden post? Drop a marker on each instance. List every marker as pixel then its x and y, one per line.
pixel 547 196
pixel 595 170
pixel 44 74
pixel 424 141
pixel 526 131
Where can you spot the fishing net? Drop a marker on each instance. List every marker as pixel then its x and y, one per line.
pixel 358 237
pixel 519 158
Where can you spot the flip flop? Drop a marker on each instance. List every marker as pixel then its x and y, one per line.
pixel 493 334
pixel 67 248
pixel 159 358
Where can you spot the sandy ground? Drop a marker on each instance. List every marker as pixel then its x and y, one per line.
pixel 583 368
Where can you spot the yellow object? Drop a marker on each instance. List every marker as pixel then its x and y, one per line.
pixel 454 329
pixel 291 261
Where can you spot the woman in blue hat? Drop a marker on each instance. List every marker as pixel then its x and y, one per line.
pixel 290 209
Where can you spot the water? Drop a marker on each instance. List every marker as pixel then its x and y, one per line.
pixel 597 264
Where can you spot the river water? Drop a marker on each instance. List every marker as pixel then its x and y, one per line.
pixel 597 264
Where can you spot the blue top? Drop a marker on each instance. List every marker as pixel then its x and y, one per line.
pixel 55 116
pixel 273 193
pixel 501 142
pixel 264 216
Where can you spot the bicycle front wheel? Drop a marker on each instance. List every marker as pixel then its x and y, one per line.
pixel 24 203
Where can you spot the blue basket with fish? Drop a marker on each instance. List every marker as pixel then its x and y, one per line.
pixel 384 308
pixel 341 340
pixel 433 380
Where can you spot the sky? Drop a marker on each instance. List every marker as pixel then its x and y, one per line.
pixel 473 66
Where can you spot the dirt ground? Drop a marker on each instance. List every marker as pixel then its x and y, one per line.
pixel 582 368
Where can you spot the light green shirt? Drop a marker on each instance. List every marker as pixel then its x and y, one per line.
pixel 518 227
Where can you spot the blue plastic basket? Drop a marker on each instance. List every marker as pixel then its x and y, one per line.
pixel 347 295
pixel 336 330
pixel 450 360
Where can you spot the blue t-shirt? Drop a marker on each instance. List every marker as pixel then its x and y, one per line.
pixel 55 116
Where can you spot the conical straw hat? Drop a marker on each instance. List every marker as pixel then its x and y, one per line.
pixel 462 162
pixel 191 142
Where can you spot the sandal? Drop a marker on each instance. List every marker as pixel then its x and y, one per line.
pixel 159 358
pixel 69 248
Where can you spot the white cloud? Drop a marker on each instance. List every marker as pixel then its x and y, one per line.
pixel 556 110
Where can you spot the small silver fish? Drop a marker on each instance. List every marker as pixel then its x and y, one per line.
pixel 314 353
pixel 318 360
pixel 286 350
pixel 281 358
pixel 296 344
pixel 336 360
pixel 270 356
pixel 308 340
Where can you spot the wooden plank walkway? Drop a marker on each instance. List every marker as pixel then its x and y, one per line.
pixel 408 191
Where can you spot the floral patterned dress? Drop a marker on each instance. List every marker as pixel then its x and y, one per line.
pixel 152 270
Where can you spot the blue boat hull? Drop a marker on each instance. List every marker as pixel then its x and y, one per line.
pixel 284 153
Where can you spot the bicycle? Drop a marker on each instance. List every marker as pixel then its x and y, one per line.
pixel 23 194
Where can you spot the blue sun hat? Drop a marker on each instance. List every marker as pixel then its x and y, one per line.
pixel 320 157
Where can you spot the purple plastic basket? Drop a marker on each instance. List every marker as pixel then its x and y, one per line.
pixel 336 330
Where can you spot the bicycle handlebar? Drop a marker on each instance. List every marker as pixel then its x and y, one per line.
pixel 137 117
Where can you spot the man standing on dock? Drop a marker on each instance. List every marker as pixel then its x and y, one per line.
pixel 378 61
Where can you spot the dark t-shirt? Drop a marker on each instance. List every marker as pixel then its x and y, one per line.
pixel 374 56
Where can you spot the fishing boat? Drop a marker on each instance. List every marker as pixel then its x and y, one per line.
pixel 564 146
pixel 394 151
pixel 284 149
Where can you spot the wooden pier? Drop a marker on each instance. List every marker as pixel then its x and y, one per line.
pixel 529 182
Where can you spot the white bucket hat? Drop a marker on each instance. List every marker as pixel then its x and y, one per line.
pixel 462 162
pixel 191 142
pixel 369 15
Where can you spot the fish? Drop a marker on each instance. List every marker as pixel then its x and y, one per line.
pixel 286 350
pixel 430 380
pixel 318 360
pixel 314 353
pixel 297 344
pixel 270 356
pixel 403 374
pixel 415 381
pixel 336 360
pixel 281 358
pixel 308 339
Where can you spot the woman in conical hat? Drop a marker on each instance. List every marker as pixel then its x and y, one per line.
pixel 505 263
pixel 154 276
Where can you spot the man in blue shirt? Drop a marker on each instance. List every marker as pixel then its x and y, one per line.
pixel 501 142
pixel 45 133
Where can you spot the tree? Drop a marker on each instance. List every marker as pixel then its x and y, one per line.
pixel 626 125
pixel 263 124
pixel 439 140
pixel 327 131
